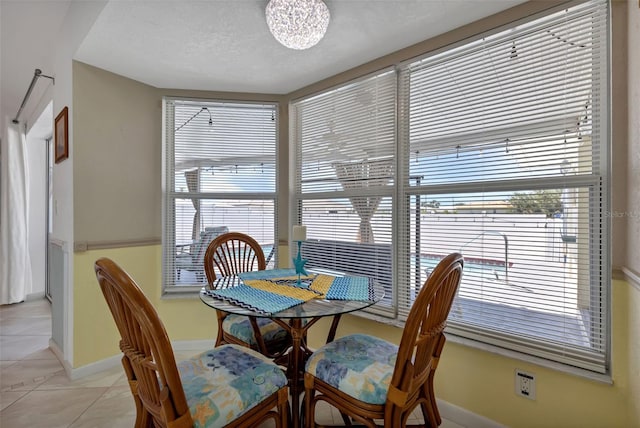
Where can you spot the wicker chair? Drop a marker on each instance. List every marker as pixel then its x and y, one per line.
pixel 227 386
pixel 369 379
pixel 230 254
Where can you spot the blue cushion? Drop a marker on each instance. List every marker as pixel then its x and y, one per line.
pixel 358 365
pixel 239 326
pixel 224 383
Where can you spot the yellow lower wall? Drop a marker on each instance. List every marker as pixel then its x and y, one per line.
pixel 478 381
pixel 629 299
pixel 95 336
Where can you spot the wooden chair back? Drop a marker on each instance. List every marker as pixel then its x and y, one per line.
pixel 423 335
pixel 232 253
pixel 148 357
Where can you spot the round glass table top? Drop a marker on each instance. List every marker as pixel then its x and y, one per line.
pixel 309 309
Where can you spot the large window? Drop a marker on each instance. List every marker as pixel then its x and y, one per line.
pixel 346 146
pixel 219 176
pixel 498 148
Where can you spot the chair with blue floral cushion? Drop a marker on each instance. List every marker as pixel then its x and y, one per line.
pixel 369 379
pixel 230 254
pixel 229 386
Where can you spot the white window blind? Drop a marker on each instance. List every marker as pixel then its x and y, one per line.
pixel 496 147
pixel 508 137
pixel 345 144
pixel 219 176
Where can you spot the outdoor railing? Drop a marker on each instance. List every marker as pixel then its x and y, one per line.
pixel 506 248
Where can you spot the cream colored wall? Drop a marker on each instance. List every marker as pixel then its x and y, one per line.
pixel 619 134
pixel 117 164
pixel 633 127
pixel 476 380
pixel 117 154
pixel 117 157
pixel 633 201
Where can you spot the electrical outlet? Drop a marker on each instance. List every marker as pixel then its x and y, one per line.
pixel 525 384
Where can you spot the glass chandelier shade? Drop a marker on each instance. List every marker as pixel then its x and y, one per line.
pixel 297 24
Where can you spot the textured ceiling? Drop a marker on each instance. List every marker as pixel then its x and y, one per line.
pixel 226 45
pixel 220 45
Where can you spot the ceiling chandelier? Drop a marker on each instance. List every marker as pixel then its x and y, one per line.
pixel 297 24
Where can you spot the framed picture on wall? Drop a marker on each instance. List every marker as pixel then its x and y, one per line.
pixel 62 135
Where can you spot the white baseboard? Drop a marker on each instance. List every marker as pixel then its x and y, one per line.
pixel 60 356
pixel 96 367
pixel 89 369
pixel 464 417
pixel 187 345
pixel 632 277
pixel 115 361
pixel 34 296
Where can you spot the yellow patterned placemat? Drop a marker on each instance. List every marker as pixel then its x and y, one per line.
pixel 282 290
pixel 321 284
pixel 272 292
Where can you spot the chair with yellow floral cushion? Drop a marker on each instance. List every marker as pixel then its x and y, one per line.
pixel 230 254
pixel 228 386
pixel 369 379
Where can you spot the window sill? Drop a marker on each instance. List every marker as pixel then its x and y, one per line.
pixel 553 365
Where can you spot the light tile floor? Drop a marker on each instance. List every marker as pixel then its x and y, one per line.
pixel 35 391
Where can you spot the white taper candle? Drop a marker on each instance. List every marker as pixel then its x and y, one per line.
pixel 299 233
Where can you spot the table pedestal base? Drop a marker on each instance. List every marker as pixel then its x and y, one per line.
pixel 295 359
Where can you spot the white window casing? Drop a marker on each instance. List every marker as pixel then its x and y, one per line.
pixel 219 174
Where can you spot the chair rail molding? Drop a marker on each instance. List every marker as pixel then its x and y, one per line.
pixel 624 273
pixel 632 276
pixel 81 246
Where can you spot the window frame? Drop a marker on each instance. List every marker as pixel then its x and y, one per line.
pixel 170 195
pixel 388 310
pixel 403 192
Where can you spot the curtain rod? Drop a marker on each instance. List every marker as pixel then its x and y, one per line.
pixel 36 74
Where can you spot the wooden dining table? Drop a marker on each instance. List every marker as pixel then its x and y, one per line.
pixel 296 320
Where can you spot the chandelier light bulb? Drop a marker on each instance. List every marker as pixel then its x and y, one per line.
pixel 297 24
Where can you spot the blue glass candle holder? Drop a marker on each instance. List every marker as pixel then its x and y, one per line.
pixel 299 263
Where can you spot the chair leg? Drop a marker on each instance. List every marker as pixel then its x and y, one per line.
pixel 428 390
pixel 395 418
pixel 143 418
pixel 260 345
pixel 430 409
pixel 309 407
pixel 284 414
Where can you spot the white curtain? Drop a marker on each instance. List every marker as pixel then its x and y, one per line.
pixel 193 186
pixel 15 263
pixel 360 175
